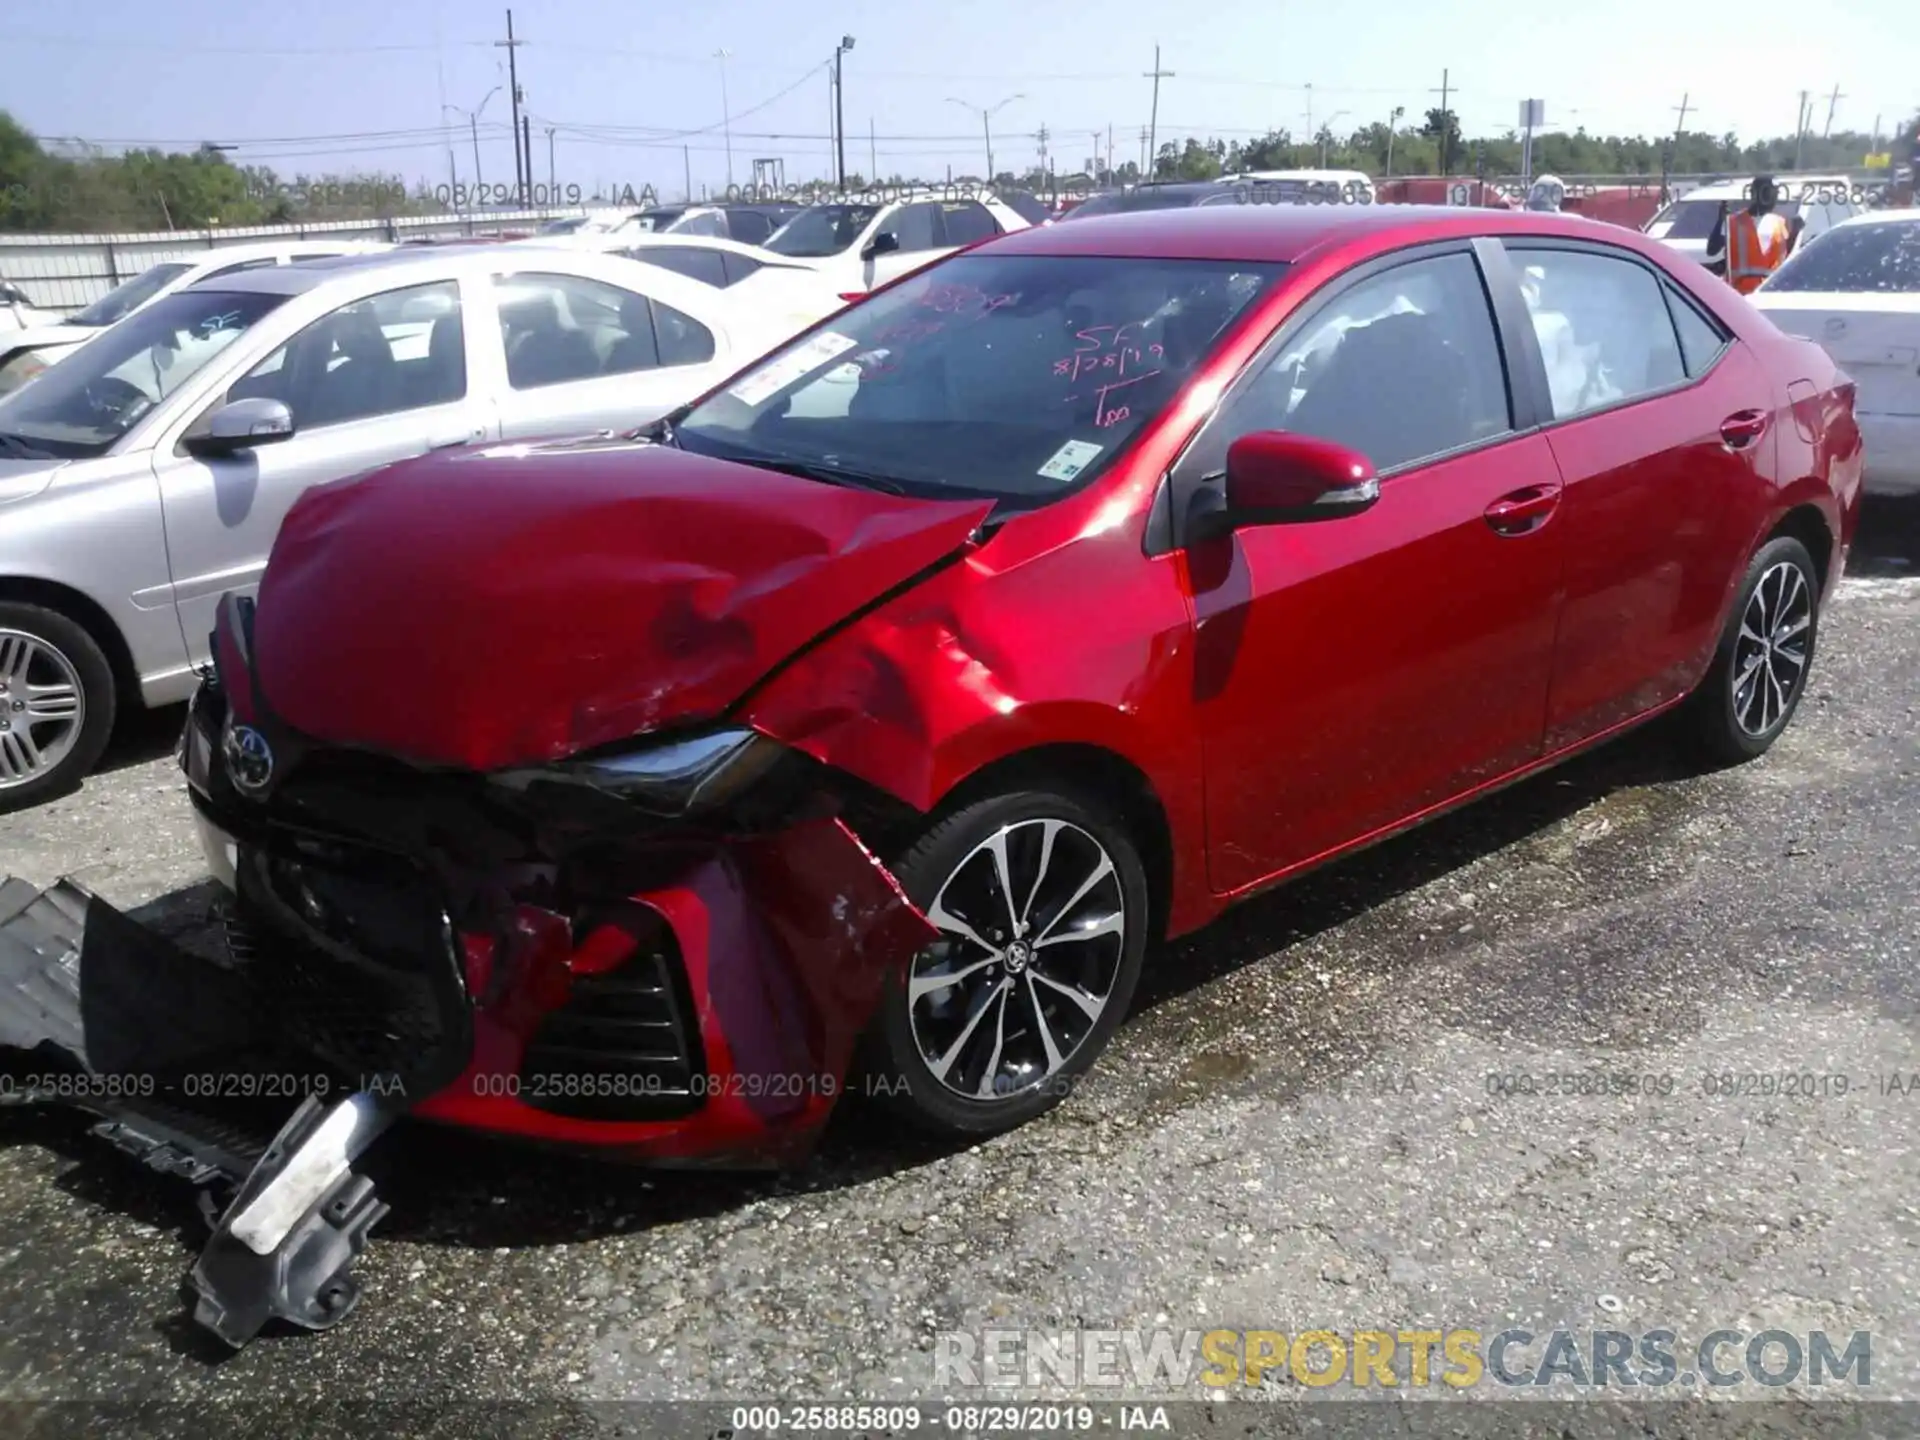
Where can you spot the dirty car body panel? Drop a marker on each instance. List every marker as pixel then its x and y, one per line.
pixel 620 793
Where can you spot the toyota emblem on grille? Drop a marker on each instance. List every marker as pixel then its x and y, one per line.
pixel 249 759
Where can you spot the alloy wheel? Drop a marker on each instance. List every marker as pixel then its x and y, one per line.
pixel 42 707
pixel 1770 654
pixel 1033 929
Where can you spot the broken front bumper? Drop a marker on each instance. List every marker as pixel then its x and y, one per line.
pixel 707 1019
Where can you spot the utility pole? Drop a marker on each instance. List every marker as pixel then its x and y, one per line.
pixel 686 159
pixel 1393 123
pixel 726 114
pixel 1309 110
pixel 1143 155
pixel 1833 102
pixel 1041 136
pixel 873 154
pixel 511 46
pixel 553 182
pixel 1446 125
pixel 1095 177
pixel 1109 152
pixel 1800 131
pixel 526 152
pixel 1153 128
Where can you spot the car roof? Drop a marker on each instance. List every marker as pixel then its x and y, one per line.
pixel 607 244
pixel 300 276
pixel 1908 215
pixel 259 250
pixel 432 263
pixel 1290 232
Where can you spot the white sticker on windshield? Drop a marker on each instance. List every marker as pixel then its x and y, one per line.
pixel 1070 459
pixel 781 372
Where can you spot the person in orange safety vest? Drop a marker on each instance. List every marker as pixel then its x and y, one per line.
pixel 1758 239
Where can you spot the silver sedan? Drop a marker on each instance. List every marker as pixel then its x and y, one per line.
pixel 147 475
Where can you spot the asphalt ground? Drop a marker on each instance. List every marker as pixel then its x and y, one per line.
pixel 1295 1130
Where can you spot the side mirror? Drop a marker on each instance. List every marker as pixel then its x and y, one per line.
pixel 1275 477
pixel 242 425
pixel 885 243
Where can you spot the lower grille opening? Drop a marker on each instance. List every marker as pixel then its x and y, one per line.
pixel 363 981
pixel 622 1047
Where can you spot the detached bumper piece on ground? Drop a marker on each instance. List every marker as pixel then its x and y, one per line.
pixel 121 1023
pixel 529 958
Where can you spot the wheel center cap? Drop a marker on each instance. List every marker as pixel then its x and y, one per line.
pixel 1018 954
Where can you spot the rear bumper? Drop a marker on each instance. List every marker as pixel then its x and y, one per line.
pixel 1892 453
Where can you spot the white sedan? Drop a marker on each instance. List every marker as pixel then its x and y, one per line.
pixel 25 352
pixel 781 293
pixel 147 475
pixel 1856 291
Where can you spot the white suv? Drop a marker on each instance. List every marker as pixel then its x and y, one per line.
pixel 861 243
pixel 1822 201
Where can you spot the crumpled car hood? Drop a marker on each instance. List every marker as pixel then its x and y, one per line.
pixel 515 604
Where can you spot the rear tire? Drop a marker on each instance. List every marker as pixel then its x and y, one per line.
pixel 1040 980
pixel 1760 668
pixel 57 701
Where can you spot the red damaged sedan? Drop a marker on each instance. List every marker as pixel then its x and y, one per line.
pixel 864 724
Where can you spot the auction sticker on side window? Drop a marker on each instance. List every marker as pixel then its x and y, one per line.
pixel 1070 459
pixel 782 371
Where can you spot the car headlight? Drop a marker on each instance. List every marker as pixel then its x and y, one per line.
pixel 670 778
pixel 20 369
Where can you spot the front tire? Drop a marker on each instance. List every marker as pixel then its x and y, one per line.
pixel 1041 900
pixel 56 704
pixel 1759 671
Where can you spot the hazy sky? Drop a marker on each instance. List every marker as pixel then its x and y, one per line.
pixel 359 84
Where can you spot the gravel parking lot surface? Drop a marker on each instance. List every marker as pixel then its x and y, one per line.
pixel 1294 1131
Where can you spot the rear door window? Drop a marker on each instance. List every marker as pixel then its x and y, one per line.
pixel 689 260
pixel 966 221
pixel 738 267
pixel 916 227
pixel 1701 339
pixel 1603 326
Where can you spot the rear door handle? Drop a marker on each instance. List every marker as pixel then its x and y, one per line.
pixel 1523 511
pixel 1742 428
pixel 461 437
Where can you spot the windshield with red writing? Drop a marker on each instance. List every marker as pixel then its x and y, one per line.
pixel 1016 376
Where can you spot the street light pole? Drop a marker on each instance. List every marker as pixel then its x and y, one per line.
pixel 840 112
pixel 726 114
pixel 986 114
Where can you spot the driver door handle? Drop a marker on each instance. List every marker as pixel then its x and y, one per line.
pixel 1521 512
